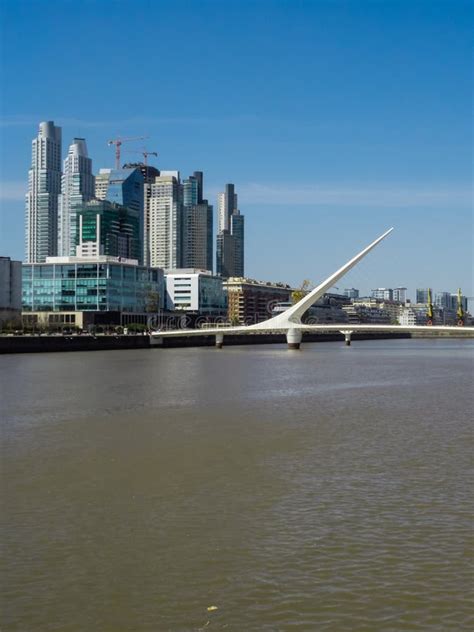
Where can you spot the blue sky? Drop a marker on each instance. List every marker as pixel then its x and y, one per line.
pixel 335 120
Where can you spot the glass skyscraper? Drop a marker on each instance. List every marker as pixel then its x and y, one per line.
pixel 105 228
pixel 126 188
pixel 197 225
pixel 44 187
pixel 149 174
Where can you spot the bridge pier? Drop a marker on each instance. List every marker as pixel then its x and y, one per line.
pixel 293 338
pixel 347 337
pixel 219 341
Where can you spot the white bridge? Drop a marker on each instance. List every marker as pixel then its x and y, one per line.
pixel 289 321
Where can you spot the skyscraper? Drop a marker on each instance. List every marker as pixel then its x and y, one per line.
pixel 77 188
pixel 44 187
pixel 149 174
pixel 226 204
pixel 230 236
pixel 166 221
pixel 197 225
pixel 106 228
pixel 125 188
pixel 237 223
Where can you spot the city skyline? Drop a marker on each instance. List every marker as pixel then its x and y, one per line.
pixel 341 149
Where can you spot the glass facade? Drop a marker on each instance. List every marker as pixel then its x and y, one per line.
pixel 97 286
pixel 119 229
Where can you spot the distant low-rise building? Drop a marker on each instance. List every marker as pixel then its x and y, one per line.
pixel 409 316
pixel 328 309
pixel 400 294
pixel 351 292
pixel 371 310
pixel 251 301
pixel 422 295
pixel 383 293
pixel 10 292
pixel 78 291
pixel 193 290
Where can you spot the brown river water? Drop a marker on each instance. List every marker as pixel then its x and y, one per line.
pixel 326 489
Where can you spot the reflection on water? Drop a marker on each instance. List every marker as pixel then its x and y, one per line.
pixel 327 489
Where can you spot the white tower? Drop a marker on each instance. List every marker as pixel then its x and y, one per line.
pixel 77 187
pixel 44 187
pixel 166 221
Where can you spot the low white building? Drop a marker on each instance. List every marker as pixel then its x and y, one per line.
pixel 408 316
pixel 195 290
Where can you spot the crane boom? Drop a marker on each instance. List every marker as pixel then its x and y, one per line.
pixel 145 153
pixel 118 143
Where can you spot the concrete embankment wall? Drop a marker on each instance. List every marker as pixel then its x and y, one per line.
pixel 42 344
pixel 45 344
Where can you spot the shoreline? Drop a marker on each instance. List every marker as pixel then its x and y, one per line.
pixel 48 344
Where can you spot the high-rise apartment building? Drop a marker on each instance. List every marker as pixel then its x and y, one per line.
pixel 166 221
pixel 197 225
pixel 237 225
pixel 230 236
pixel 227 203
pixel 44 187
pixel 77 188
pixel 124 187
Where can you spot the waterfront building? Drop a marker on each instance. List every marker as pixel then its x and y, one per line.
pixel 194 290
pixel 44 188
pixel 327 309
pixel 377 310
pixel 366 313
pixel 422 295
pixel 251 301
pixel 106 228
pixel 410 316
pixel 400 294
pixel 124 187
pixel 77 188
pixel 77 291
pixel 166 221
pixel 351 292
pixel 10 291
pixel 197 225
pixel 372 310
pixel 383 293
pixel 149 174
pixel 230 256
